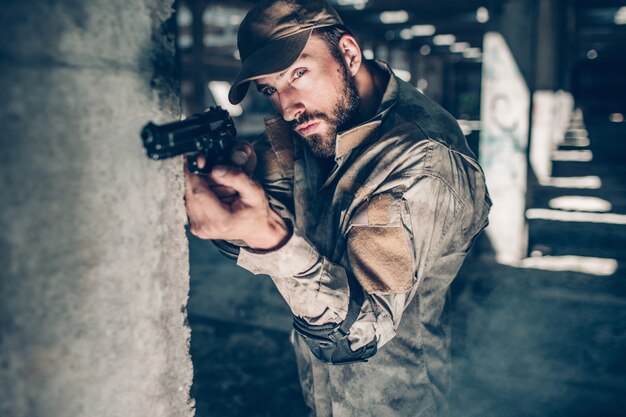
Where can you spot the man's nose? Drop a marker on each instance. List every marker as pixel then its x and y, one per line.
pixel 291 105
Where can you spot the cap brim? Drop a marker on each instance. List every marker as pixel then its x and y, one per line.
pixel 275 57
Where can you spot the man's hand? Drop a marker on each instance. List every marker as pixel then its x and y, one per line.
pixel 242 155
pixel 228 204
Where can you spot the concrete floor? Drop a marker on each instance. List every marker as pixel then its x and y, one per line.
pixel 536 343
pixel 526 342
pixel 244 363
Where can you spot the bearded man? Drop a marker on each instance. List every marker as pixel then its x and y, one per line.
pixel 364 202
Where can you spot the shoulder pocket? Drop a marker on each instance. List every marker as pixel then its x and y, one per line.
pixel 378 247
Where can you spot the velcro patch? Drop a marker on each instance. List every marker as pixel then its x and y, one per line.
pixel 381 259
pixel 378 209
pixel 278 157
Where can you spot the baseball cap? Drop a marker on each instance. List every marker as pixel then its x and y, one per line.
pixel 272 36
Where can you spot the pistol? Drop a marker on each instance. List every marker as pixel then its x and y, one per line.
pixel 211 134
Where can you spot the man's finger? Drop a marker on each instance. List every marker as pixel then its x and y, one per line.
pixel 192 182
pixel 249 190
pixel 202 203
pixel 196 184
pixel 201 160
pixel 222 191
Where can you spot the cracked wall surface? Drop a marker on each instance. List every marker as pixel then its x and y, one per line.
pixel 94 273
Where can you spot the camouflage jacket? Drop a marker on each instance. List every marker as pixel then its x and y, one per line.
pixel 399 210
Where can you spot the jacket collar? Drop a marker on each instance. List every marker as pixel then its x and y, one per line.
pixel 355 136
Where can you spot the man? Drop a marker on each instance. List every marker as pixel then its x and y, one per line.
pixel 364 203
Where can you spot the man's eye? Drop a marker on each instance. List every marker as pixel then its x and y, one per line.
pixel 268 91
pixel 299 73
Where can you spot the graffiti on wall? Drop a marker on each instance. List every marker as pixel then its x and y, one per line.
pixel 505 106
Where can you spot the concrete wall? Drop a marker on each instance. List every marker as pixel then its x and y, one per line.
pixel 505 107
pixel 93 255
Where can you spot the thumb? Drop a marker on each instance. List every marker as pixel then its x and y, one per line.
pixel 244 156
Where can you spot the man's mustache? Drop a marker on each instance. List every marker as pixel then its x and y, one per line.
pixel 307 117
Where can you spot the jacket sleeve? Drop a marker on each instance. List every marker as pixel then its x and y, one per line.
pixel 392 240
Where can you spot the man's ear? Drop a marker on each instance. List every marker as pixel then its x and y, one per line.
pixel 351 53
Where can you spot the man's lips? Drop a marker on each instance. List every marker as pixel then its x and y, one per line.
pixel 306 127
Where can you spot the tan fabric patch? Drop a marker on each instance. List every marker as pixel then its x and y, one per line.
pixel 378 209
pixel 381 259
pixel 279 137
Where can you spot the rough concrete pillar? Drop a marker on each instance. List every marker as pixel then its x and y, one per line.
pixel 93 255
pixel 505 104
pixel 552 107
pixel 507 80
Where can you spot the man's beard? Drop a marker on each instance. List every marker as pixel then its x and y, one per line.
pixel 345 109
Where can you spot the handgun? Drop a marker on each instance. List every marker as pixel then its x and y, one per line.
pixel 211 134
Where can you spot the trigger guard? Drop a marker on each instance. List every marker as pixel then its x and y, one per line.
pixel 192 165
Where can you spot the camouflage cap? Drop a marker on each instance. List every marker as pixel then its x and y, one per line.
pixel 272 36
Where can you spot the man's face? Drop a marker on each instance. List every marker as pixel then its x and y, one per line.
pixel 316 94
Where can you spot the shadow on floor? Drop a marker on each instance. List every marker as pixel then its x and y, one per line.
pixel 529 342
pixel 242 370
